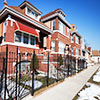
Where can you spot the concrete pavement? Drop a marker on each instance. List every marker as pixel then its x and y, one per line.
pixel 68 89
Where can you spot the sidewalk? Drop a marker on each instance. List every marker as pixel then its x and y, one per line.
pixel 68 89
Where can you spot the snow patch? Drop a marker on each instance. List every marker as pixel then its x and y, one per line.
pixel 37 84
pixel 96 77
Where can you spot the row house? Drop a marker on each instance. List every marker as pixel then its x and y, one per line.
pixel 86 52
pixel 75 44
pixel 61 35
pixel 95 56
pixel 20 27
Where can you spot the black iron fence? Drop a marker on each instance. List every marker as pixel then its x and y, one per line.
pixel 25 73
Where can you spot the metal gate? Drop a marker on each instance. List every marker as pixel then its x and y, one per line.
pixel 14 72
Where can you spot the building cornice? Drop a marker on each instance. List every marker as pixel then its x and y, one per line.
pixel 54 15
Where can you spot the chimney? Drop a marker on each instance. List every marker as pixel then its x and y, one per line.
pixel 89 48
pixel 5 3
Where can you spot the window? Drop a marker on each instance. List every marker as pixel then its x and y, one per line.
pixel 32 40
pixel 77 40
pixel 31 13
pixel 53 25
pixel 4 36
pixel 72 39
pixel 61 47
pixel 36 15
pixel 18 36
pixel 53 45
pixel 67 31
pixel 61 27
pixel 72 51
pixel 4 30
pixel 77 52
pixel 26 38
pixel 28 10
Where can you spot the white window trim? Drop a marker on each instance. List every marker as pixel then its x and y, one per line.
pixel 3 30
pixel 77 42
pixel 19 45
pixel 61 28
pixel 72 41
pixel 56 52
pixel 22 35
pixel 54 45
pixel 61 47
pixel 52 24
pixel 30 15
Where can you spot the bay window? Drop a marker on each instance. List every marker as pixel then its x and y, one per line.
pixel 24 38
pixel 18 36
pixel 32 40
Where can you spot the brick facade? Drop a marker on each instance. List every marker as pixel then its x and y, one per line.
pixel 45 31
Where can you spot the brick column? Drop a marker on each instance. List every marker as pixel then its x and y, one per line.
pixel 10 32
pixel 56 45
pixel 56 24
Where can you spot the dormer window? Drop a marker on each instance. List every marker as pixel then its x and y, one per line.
pixel 28 11
pixel 31 13
pixel 36 15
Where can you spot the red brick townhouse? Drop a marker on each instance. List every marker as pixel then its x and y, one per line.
pixel 75 43
pixel 61 37
pixel 86 52
pixel 20 26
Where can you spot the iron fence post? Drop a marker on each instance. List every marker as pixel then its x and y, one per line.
pixel 71 65
pixel 16 72
pixel 48 72
pixel 57 67
pixel 19 73
pixel 68 63
pixel 2 75
pixel 6 72
pixel 33 63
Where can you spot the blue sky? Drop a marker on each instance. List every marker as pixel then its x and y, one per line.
pixel 85 14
